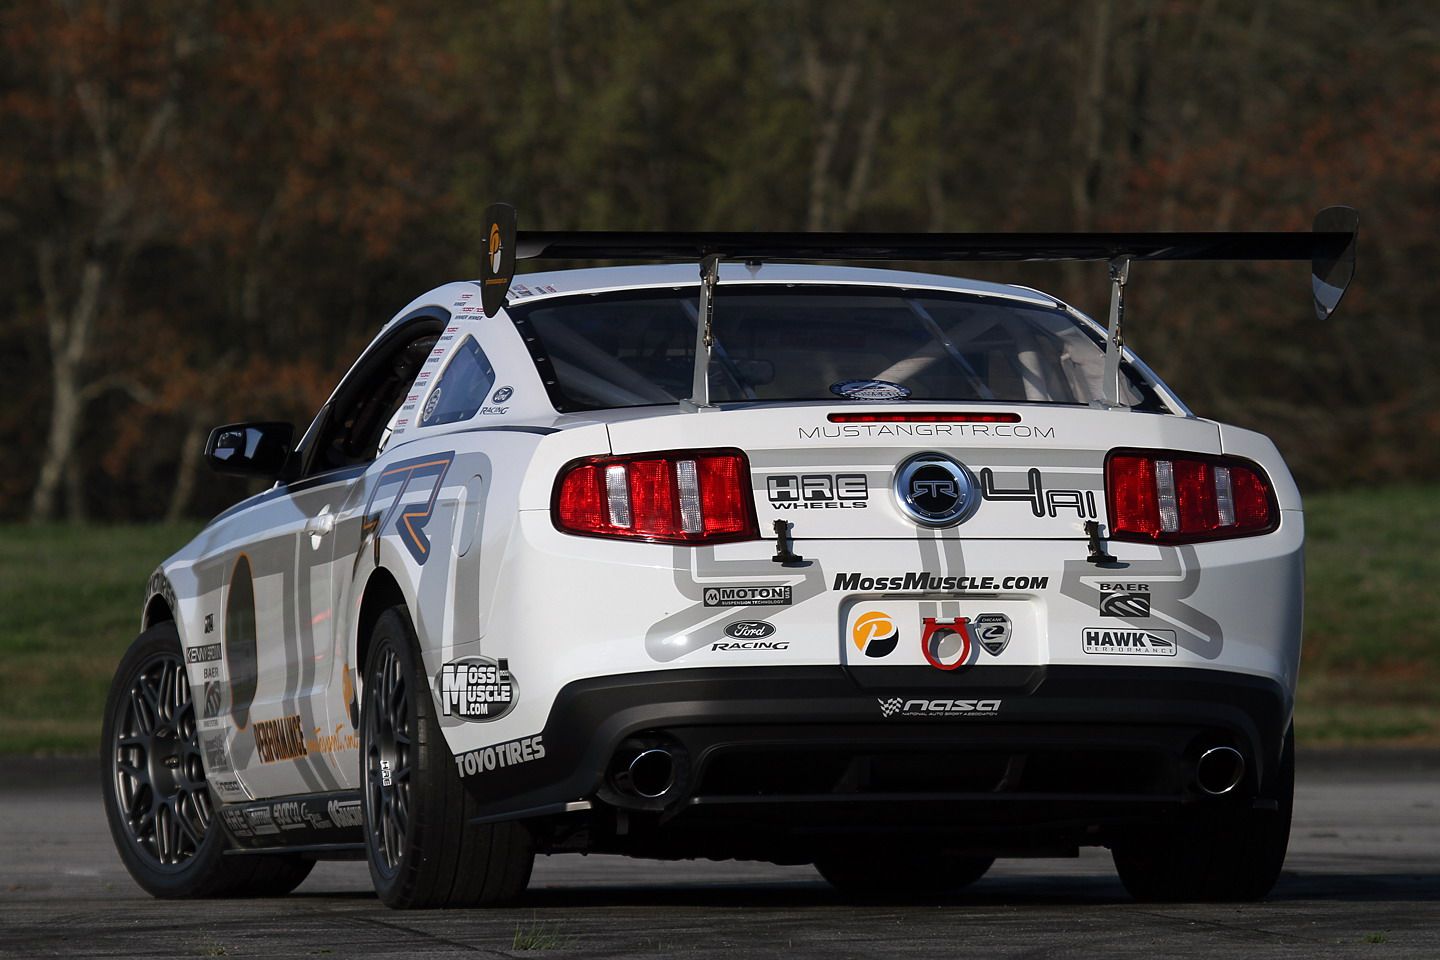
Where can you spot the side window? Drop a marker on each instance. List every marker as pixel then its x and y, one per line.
pixel 462 389
pixel 357 426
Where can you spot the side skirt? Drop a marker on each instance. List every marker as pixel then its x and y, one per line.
pixel 326 825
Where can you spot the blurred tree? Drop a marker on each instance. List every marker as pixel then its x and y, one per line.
pixel 211 207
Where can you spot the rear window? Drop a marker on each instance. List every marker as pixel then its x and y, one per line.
pixel 815 343
pixel 462 388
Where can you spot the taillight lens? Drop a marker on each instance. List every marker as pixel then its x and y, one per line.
pixel 680 496
pixel 1161 497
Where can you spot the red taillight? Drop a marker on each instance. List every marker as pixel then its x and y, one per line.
pixel 683 496
pixel 1160 497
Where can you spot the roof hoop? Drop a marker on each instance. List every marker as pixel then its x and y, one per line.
pixel 704 335
pixel 1115 337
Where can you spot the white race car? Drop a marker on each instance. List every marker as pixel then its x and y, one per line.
pixel 888 572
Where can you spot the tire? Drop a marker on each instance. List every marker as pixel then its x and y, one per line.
pixel 156 799
pixel 1231 856
pixel 883 878
pixel 422 848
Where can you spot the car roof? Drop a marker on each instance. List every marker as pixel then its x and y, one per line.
pixel 555 283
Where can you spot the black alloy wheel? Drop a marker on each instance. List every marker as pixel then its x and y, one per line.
pixel 159 807
pixel 422 843
pixel 388 761
pixel 159 778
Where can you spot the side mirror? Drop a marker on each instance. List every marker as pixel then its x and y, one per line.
pixel 250 449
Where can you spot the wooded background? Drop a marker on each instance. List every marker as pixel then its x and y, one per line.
pixel 207 208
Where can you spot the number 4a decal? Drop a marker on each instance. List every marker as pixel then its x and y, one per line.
pixel 403 502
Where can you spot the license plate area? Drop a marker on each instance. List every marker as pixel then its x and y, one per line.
pixel 948 634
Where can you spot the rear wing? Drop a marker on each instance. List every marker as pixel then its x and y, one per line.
pixel 1330 248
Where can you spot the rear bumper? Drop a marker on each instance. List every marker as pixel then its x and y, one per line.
pixel 809 749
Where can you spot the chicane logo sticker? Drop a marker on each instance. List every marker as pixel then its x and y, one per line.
pixel 477 689
pixel 747 596
pixel 1128 603
pixel 875 634
pixel 946 643
pixel 993 631
pixel 1143 643
pixel 903 707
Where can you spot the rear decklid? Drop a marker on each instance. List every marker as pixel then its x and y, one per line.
pixel 839 471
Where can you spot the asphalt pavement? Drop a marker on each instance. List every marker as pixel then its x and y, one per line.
pixel 1362 879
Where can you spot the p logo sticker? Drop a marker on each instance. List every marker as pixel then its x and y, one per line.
pixel 875 634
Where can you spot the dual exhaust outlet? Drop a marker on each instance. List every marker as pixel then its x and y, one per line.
pixel 650 773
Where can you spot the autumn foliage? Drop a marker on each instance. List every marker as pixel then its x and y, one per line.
pixel 207 208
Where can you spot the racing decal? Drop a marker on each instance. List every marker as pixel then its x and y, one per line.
pixel 757 596
pixel 818 491
pixel 236 823
pixel 241 655
pixel 502 394
pixel 925 707
pixel 1171 581
pixel 431 403
pixel 332 742
pixel 1143 643
pixel 992 630
pixel 869 390
pixel 261 821
pixel 869 431
pixel 749 635
pixel 214 704
pixel 209 623
pixel 1042 502
pixel 280 739
pixel 511 753
pixel 924 581
pixel 217 758
pixel 229 789
pixel 477 689
pixel 749 630
pixel 344 813
pixel 723 646
pixel 1124 599
pixel 203 654
pixel 946 643
pixel 875 634
pixel 695 569
pixel 294 821
pixel 409 489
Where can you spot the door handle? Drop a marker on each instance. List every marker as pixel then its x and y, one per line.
pixel 319 525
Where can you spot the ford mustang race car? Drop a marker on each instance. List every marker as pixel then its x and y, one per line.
pixel 888 572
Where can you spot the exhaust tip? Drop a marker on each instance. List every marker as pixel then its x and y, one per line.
pixel 1219 770
pixel 648 770
pixel 651 774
